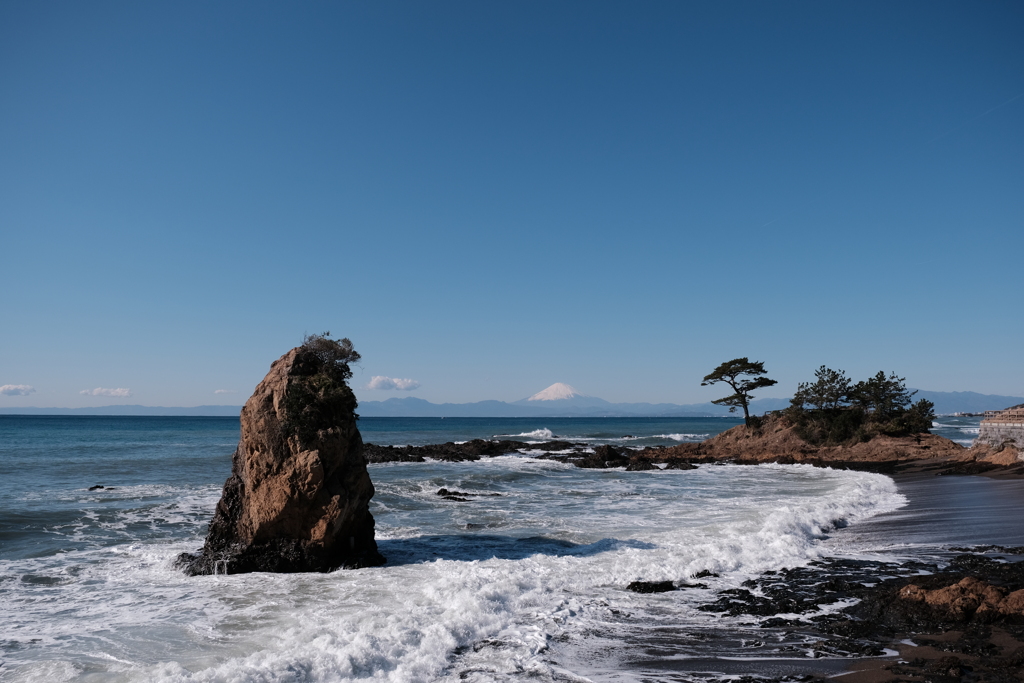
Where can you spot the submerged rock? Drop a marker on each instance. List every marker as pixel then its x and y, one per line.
pixel 639 465
pixel 298 496
pixel 445 493
pixel 604 457
pixel 680 465
pixel 651 586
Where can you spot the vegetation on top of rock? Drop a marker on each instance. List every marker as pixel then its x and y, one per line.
pixel 833 410
pixel 730 373
pixel 318 395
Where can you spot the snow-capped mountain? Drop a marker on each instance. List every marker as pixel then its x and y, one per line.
pixel 562 397
pixel 556 392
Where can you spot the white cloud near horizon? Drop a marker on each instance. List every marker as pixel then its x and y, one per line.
pixel 17 390
pixel 225 391
pixel 120 392
pixel 388 383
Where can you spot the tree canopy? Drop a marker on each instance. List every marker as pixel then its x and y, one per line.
pixel 333 355
pixel 884 397
pixel 833 410
pixel 318 397
pixel 744 376
pixel 829 392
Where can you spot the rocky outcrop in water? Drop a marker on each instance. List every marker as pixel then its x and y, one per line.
pixel 776 440
pixel 460 452
pixel 298 496
pixel 604 457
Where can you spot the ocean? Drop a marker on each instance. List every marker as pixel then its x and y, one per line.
pixel 526 581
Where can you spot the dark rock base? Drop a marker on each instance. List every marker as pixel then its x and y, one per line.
pixel 279 556
pixel 937 643
pixel 221 554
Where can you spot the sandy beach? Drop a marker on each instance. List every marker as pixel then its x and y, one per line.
pixel 967 514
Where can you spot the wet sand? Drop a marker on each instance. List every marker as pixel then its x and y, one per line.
pixel 946 516
pixel 960 513
pixel 957 511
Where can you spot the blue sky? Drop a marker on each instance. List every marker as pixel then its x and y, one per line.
pixel 491 197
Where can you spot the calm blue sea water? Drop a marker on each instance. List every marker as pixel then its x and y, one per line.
pixel 526 584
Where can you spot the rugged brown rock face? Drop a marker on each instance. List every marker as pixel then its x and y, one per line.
pixel 1003 454
pixel 777 441
pixel 968 598
pixel 297 499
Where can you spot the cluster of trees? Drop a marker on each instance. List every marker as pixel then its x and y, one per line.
pixel 832 409
pixel 319 396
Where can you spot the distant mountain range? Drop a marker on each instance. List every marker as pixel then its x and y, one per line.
pixel 558 400
pixel 196 411
pixel 947 402
pixel 562 400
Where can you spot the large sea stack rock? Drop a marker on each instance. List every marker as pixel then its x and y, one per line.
pixel 298 496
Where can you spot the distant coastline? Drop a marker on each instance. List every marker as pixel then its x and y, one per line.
pixel 946 403
pixel 127 411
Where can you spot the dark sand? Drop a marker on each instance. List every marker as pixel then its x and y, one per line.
pixel 951 511
pixel 958 513
pixel 944 516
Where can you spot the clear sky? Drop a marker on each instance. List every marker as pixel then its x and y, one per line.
pixel 491 197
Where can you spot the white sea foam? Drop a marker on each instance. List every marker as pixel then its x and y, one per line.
pixel 535 434
pixel 969 429
pixel 546 567
pixel 548 435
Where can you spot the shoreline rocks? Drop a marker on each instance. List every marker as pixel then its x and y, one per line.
pixel 966 617
pixel 459 452
pixel 775 441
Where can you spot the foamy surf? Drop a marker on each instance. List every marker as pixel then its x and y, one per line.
pixel 548 435
pixel 683 437
pixel 484 590
pixel 545 434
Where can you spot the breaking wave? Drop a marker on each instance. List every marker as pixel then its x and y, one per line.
pixel 535 434
pixel 683 437
pixel 485 586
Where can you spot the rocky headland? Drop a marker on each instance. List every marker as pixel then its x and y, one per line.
pixel 775 440
pixel 298 496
